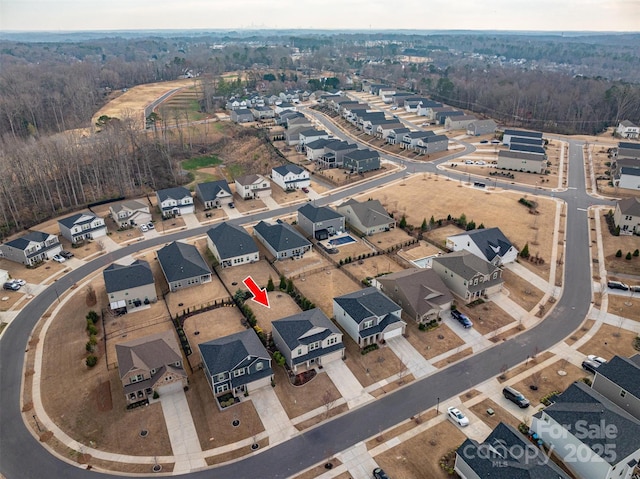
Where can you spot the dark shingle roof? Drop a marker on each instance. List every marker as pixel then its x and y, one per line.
pixel 320 143
pixel 520 155
pixel 281 236
pixel 527 140
pixel 148 352
pixel 288 168
pixel 231 240
pixel 526 148
pixel 176 193
pixel 466 264
pixel 181 261
pixel 118 277
pixel 422 287
pixel 23 241
pixel 370 213
pixel 304 328
pixel 210 190
pixel 362 154
pixel 627 144
pixel 365 303
pixel 434 138
pixel 313 132
pixel 226 353
pixel 491 241
pixel 624 372
pixel 71 221
pixel 530 134
pixel 318 213
pixel 338 145
pixel 630 206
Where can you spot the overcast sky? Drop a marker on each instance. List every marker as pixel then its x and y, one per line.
pixel 557 15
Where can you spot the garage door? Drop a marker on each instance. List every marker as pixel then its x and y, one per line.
pixel 170 388
pixel 392 334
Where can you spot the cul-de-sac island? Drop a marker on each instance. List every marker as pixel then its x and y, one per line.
pixel 312 255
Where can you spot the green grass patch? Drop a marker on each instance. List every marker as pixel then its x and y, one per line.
pixel 201 162
pixel 235 170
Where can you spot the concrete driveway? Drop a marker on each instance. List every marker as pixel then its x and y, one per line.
pixel 411 358
pixel 273 416
pixel 348 385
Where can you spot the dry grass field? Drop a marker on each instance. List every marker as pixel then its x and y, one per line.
pixel 434 342
pixel 625 306
pixel 487 317
pixel 321 287
pixel 500 414
pixel 626 244
pixel 548 380
pixel 609 341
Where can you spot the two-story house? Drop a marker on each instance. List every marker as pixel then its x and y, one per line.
pixel 82 226
pixel 627 216
pixel 129 287
pixel 361 161
pixel 489 244
pixel 232 245
pixel 253 186
pixel 241 115
pixel 281 240
pixel 183 266
pixel 175 201
pixel 619 381
pixel 31 248
pixel 368 316
pixel 481 127
pixel 290 177
pixel 467 275
pixel 213 194
pixel 626 129
pixel 130 213
pixel 367 217
pixel 307 339
pixel 510 133
pixel 236 363
pixel 148 364
pixel 320 221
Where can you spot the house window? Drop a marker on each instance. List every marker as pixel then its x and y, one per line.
pixel 153 371
pixel 332 340
pixel 221 377
pixel 238 372
pixel 137 378
pixel 368 323
pixel 475 281
pixel 623 393
pixel 495 275
pixel 259 366
pixel 315 345
pixel 299 351
pixel 132 396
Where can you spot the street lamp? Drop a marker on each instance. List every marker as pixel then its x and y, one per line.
pixel 437 406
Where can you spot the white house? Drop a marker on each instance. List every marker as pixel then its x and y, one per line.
pixel 490 244
pixel 627 216
pixel 626 129
pixel 130 213
pixel 290 177
pixel 253 186
pixel 175 201
pixel 82 226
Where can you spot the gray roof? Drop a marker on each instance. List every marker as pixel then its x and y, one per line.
pixel 210 190
pixel 580 404
pixel 401 131
pixel 319 143
pixel 627 123
pixel 421 286
pixel 522 140
pixel 520 155
pixel 491 241
pixel 176 193
pixel 281 236
pixel 313 132
pixel 181 261
pixel 305 328
pixel 227 353
pixel 627 144
pixel 366 303
pixel 507 454
pixel 249 179
pixel 118 277
pixel 418 134
pixel 129 204
pixel 464 118
pixel 370 213
pixel 434 138
pixel 338 145
pixel 318 213
pixel 530 134
pixel 231 240
pixel 465 264
pixel 362 154
pixel 630 206
pixel 71 221
pixel 31 236
pixel 490 123
pixel 288 168
pixel 539 150
pixel 148 352
pixel 624 372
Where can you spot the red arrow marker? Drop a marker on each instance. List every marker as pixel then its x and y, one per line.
pixel 259 295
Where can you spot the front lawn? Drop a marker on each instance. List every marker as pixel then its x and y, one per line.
pixel 201 162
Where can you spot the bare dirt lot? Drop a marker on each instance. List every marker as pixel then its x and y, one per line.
pixel 487 317
pixel 520 290
pixel 371 367
pixel 500 414
pixel 624 306
pixel 434 342
pixel 626 244
pixel 372 267
pixel 609 341
pixel 38 275
pixel 548 380
pixel 321 287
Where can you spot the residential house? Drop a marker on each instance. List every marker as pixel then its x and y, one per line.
pixel 628 150
pixel 432 111
pixel 424 107
pixel 386 93
pixel 361 161
pixel 490 244
pixel 619 381
pixel 175 201
pixel 365 119
pixel 595 438
pixel 281 240
pixel 385 127
pixel 82 226
pixel 372 88
pixel 320 221
pixel 626 129
pixel 242 115
pixel 395 136
pixel 309 136
pixel 213 194
pixel 129 287
pixel 307 339
pixel 367 217
pixel 368 316
pixel 459 122
pixel 285 106
pixel 236 104
pixel 626 173
pixel 148 364
pixel 292 135
pixel 130 213
pixel 481 127
pixel 521 161
pixel 420 293
pixel 627 216
pixel 315 149
pixel 290 177
pixel 262 112
pixel 236 364
pixel 505 454
pixel 231 245
pixel 526 148
pixel 467 275
pixel 298 122
pixel 399 98
pixel 32 248
pixel 253 186
pixel 509 133
pixel 287 115
pixel 410 139
pixel 522 140
pixel 334 153
pixel 441 116
pixel 430 144
pixel 183 266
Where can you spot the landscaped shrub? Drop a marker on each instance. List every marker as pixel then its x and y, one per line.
pixel 91 361
pixel 155 394
pixel 619 253
pixel 270 285
pixel 368 349
pixel 636 253
pixel 92 316
pixel 546 400
pixel 628 257
pixel 91 329
pixel 279 358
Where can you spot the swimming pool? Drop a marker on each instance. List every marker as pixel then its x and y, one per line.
pixel 342 240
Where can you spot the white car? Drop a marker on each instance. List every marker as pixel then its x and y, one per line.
pixel 394 108
pixel 21 282
pixel 597 359
pixel 456 416
pixel 58 258
pixel 480 163
pixel 468 162
pixel 144 228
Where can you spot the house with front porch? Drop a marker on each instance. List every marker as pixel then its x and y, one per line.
pixel 395 136
pixel 129 287
pixel 253 186
pixel 368 316
pixel 130 213
pixel 410 140
pixel 231 245
pixel 424 107
pixel 175 202
pixel 366 217
pixel 148 364
pixel 320 221
pixel 262 112
pixel 213 194
pixel 236 364
pixel 385 127
pixel 467 275
pixel 310 135
pixel 82 226
pixel 183 266
pixel 627 216
pixel 32 248
pixel 290 177
pixel 281 240
pixel 307 339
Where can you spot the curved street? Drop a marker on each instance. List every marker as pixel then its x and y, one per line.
pixel 311 446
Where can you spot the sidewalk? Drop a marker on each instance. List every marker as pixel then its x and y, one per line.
pixel 412 359
pixel 276 423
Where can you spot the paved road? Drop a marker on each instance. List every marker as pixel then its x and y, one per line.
pixel 317 444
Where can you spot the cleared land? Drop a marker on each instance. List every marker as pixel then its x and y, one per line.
pixel 626 244
pixel 626 307
pixel 609 341
pixel 548 380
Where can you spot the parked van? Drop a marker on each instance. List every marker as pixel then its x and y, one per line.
pixel 515 397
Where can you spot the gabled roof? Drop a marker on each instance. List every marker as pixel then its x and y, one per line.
pixel 507 454
pixel 489 123
pixel 624 372
pixel 225 354
pixel 231 240
pixel 24 241
pixel 305 328
pixel 181 261
pixel 211 189
pixel 78 219
pixel 580 404
pixel 416 135
pixel 149 352
pixel 421 286
pixel 525 133
pixel 131 205
pixel 434 138
pixel 249 179
pixel 539 150
pixel 338 145
pixel 362 154
pixel 628 124
pixel 288 168
pixel 465 264
pixel 463 118
pixel 630 206
pixel 520 155
pixel 400 131
pixel 281 236
pixel 313 132
pixel 522 140
pixel 177 193
pixel 370 213
pixel 629 145
pixel 319 143
pixel 318 213
pixel 491 241
pixel 366 303
pixel 118 277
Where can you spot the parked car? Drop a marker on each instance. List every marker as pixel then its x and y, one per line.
pixel 378 473
pixel 484 141
pixel 144 228
pixel 426 123
pixel 495 142
pixel 305 189
pixel 66 254
pixel 468 162
pixel 597 359
pixel 590 366
pixel 461 318
pixel 231 205
pixel 456 416
pixel 394 108
pixel 150 226
pixel 58 258
pixel 617 285
pixel 515 397
pixel 480 162
pixel 635 289
pixel 10 286
pixel 21 282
